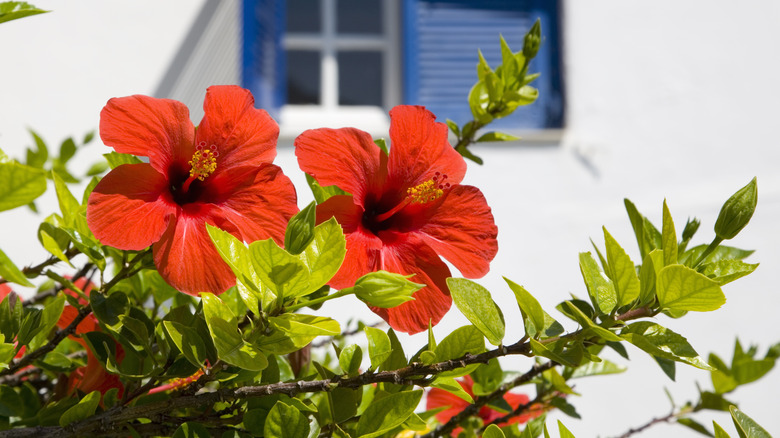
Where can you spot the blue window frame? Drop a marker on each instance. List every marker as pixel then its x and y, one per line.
pixel 439 43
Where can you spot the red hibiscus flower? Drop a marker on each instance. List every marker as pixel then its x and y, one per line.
pixel 219 173
pixel 404 210
pixel 439 397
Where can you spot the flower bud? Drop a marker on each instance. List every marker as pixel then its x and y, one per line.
pixel 385 289
pixel 532 41
pixel 737 211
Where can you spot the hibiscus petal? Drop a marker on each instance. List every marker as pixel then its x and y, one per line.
pixel 363 256
pixel 185 256
pixel 347 158
pixel 410 255
pixel 259 206
pixel 156 128
pixel 463 231
pixel 419 148
pixel 129 209
pixel 243 135
pixel 437 398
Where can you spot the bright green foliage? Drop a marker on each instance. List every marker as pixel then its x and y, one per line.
pixel 187 341
pixel 223 327
pixel 385 289
pixel 14 10
pixel 19 184
pixel 321 194
pixel 192 430
pixel 476 304
pixel 85 408
pixel 115 159
pixel 350 359
pixel 662 342
pixel 285 421
pixel 493 431
pixel 600 288
pixel 466 339
pixel 669 238
pixel 746 426
pixel 719 432
pixel 379 346
pixel 300 230
pixel 681 288
pixel 452 386
pixel 10 272
pixel 621 271
pixel 387 413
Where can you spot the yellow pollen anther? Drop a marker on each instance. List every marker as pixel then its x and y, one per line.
pixel 204 161
pixel 424 193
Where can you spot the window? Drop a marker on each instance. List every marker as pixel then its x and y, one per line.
pixel 336 62
pixel 347 62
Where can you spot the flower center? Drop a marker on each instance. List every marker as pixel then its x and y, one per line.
pixel 203 164
pixel 423 193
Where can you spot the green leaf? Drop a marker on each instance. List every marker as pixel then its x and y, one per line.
pixel 681 288
pixel 10 272
pixel 379 347
pixel 231 347
pixel 669 238
pixel 466 339
pixel 50 244
pixel 529 307
pixel 321 194
pixel 453 127
pixel 382 144
pixel 597 369
pixel 496 136
pixel 387 413
pixel 691 424
pixel 280 271
pixel 69 205
pixel 662 342
pixel 38 157
pixel 600 289
pixel 746 426
pixel 325 253
pixel 19 184
pixel 285 421
pixel 14 10
pixel 719 432
pixel 97 168
pixel 493 431
pixel 476 304
pixel 621 271
pixel 49 316
pixel 586 322
pixel 67 150
pixel 115 159
pixel 651 265
pixel 84 409
pixel 297 324
pixel 563 431
pixel 722 252
pixel 452 386
pixel 107 309
pixel 726 271
pixel 350 359
pixel 191 430
pixel 540 349
pixel 248 282
pixel 187 341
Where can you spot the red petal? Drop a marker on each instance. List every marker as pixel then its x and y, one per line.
pixel 347 158
pixel 185 256
pixel 129 208
pixel 261 206
pixel 156 128
pixel 419 148
pixel 437 398
pixel 242 134
pixel 463 231
pixel 410 255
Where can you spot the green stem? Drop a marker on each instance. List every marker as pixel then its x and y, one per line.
pixel 715 242
pixel 314 302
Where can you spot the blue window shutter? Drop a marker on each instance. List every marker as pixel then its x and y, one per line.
pixel 263 69
pixel 441 38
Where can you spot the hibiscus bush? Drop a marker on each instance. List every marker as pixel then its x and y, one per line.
pixel 181 291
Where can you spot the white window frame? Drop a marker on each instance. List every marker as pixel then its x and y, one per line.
pixel 374 119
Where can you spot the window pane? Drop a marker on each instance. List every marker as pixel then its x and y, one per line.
pixel 360 78
pixel 359 16
pixel 303 16
pixel 303 77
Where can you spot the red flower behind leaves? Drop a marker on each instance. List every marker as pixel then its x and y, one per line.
pixel 438 397
pixel 219 173
pixel 404 211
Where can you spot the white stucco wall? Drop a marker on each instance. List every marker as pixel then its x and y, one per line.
pixel 664 100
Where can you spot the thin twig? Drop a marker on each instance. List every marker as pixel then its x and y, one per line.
pixel 654 421
pixel 37 269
